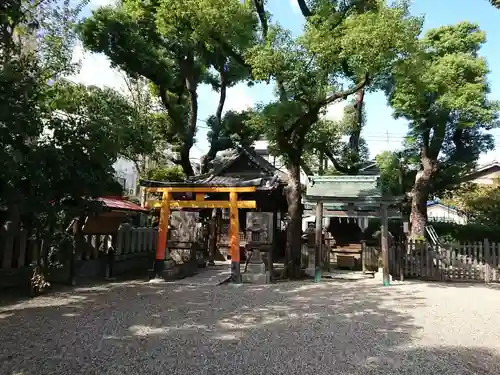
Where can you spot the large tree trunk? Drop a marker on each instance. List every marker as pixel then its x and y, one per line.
pixel 420 196
pixel 356 131
pixel 187 69
pixel 294 234
pixel 212 152
pixel 185 162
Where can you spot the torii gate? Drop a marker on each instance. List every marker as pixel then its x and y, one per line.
pixel 166 204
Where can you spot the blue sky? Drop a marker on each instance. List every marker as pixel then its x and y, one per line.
pixel 382 132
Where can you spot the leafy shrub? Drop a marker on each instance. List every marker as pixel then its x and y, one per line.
pixel 451 232
pixel 395 228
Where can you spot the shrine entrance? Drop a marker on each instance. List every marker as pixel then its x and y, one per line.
pixel 348 203
pixel 184 199
pixel 243 202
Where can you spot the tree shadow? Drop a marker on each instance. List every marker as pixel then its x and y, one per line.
pixel 458 284
pixel 138 328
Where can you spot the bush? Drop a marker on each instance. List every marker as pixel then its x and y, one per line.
pixel 453 233
pixel 395 228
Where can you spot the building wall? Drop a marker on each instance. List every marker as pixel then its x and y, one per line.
pixel 487 179
pixel 439 212
pixel 126 172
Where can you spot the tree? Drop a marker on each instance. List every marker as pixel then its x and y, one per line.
pixel 35 40
pixel 352 41
pixel 160 173
pixel 391 174
pixel 481 203
pixel 174 45
pixel 442 91
pixel 495 3
pixel 325 143
pixel 59 139
pixel 234 129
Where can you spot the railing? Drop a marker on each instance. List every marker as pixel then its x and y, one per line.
pixel 474 261
pixel 97 256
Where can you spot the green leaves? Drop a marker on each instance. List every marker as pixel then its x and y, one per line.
pixel 366 41
pixel 391 174
pixel 176 46
pixel 444 88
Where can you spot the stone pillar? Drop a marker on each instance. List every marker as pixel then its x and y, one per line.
pixel 256 268
pixel 311 261
pixel 384 244
pixel 319 241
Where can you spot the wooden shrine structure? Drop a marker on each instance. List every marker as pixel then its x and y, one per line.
pixel 245 181
pixel 356 197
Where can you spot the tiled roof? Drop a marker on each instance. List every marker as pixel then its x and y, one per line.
pixel 216 177
pixel 121 204
pixel 267 180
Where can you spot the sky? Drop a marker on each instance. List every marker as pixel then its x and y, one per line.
pixel 381 132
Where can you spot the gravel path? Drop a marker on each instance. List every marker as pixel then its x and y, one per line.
pixel 291 328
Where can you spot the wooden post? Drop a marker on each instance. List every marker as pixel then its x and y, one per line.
pixel 487 260
pixel 319 242
pixel 235 238
pixel 363 255
pixel 384 242
pixel 212 240
pixel 161 246
pixel 274 247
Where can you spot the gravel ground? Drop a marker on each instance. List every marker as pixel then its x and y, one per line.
pixel 290 328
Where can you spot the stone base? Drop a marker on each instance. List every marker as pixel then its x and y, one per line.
pixel 310 271
pixel 311 266
pixel 254 278
pixel 175 271
pixel 256 268
pixel 379 276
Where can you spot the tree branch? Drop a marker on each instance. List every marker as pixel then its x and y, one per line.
pixel 212 152
pixel 339 167
pixel 306 12
pixel 437 140
pixel 307 170
pixel 261 12
pixel 344 94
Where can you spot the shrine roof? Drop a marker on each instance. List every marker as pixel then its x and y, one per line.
pixel 348 189
pixel 243 168
pixel 243 164
pixel 216 182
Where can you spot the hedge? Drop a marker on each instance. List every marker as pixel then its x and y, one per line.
pixel 395 228
pixel 447 232
pixel 451 232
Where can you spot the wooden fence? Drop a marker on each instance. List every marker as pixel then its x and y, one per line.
pixel 17 253
pixel 477 261
pixel 98 256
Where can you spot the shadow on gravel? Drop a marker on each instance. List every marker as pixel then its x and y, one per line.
pixel 459 284
pixel 290 328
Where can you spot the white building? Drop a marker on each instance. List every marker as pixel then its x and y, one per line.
pixel 127 174
pixel 438 212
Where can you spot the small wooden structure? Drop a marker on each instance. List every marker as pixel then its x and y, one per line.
pixel 360 197
pixel 21 252
pixel 245 181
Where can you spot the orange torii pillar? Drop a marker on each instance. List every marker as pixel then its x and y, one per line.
pixel 235 237
pixel 161 245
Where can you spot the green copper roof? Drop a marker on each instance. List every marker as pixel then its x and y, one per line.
pixel 344 186
pixel 345 189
